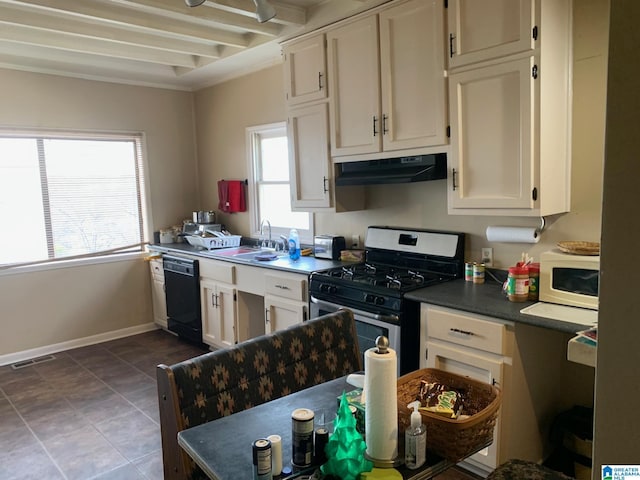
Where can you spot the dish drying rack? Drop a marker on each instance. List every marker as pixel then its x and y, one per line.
pixel 218 240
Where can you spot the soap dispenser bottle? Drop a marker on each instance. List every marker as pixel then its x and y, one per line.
pixel 294 245
pixel 415 439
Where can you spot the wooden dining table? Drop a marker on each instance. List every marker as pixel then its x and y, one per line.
pixel 223 448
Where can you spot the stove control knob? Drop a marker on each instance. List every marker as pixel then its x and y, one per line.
pixel 333 289
pixel 324 288
pixel 379 300
pixel 369 298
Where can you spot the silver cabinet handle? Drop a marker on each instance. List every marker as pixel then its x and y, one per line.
pixel 266 315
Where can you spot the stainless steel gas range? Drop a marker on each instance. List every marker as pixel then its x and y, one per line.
pixel 397 260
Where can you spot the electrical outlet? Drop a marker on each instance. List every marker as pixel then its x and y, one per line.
pixel 487 256
pixel 355 241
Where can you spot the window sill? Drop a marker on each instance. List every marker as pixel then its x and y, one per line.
pixel 80 262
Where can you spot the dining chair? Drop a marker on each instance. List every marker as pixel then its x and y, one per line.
pixel 223 382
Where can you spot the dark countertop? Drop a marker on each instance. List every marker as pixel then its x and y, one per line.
pixel 304 265
pixel 222 447
pixel 485 299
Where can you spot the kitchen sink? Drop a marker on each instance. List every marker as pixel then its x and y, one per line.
pixel 249 253
pixel 260 255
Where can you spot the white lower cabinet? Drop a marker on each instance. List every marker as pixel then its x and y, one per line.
pixel 281 313
pixel 218 299
pixel 285 301
pixel 526 362
pixel 470 346
pixel 158 296
pixel 219 314
pixel 482 366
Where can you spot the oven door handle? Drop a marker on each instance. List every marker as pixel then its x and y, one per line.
pixel 358 313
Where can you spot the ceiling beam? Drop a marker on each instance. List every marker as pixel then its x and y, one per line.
pixel 107 33
pixel 132 18
pixel 62 41
pixel 208 15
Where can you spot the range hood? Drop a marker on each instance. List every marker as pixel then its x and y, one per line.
pixel 417 168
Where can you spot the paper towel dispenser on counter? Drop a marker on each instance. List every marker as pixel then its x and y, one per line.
pixel 418 168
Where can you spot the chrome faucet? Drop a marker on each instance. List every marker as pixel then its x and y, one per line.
pixel 269 245
pixel 285 243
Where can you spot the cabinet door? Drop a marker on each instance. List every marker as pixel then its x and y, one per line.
pixel 311 180
pixel 488 29
pixel 354 69
pixel 159 302
pixel 486 368
pixel 219 314
pixel 413 84
pixel 305 70
pixel 280 313
pixel 227 315
pixel 492 113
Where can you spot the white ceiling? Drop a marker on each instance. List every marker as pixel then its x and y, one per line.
pixel 161 43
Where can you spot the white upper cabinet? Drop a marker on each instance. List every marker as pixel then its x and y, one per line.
pixel 354 68
pixel 511 116
pixel 484 29
pixel 305 70
pixel 412 75
pixel 491 160
pixel 387 85
pixel 309 161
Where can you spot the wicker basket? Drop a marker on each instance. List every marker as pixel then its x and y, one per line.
pixel 449 438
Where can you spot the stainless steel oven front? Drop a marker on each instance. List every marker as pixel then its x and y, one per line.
pixel 369 326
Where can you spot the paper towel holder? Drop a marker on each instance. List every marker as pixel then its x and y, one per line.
pixel 542 225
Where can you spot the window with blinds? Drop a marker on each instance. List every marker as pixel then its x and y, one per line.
pixel 69 195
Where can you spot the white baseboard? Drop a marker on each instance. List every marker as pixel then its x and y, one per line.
pixel 10 358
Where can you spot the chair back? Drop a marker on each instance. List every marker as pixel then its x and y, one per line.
pixel 250 373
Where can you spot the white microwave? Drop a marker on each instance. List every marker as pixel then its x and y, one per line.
pixel 570 279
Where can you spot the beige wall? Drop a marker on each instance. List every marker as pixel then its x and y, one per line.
pixel 617 428
pixel 48 307
pixel 223 111
pixel 222 115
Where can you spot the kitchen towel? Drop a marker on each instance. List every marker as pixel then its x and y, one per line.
pixel 380 392
pixel 231 196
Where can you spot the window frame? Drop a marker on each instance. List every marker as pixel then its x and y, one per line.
pixel 143 187
pixel 252 137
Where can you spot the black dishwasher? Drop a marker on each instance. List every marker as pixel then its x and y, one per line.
pixel 182 290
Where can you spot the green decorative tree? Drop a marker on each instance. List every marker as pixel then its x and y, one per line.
pixel 346 447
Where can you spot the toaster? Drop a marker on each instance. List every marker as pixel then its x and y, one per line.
pixel 328 246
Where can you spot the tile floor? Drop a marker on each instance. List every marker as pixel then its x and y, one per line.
pixel 92 412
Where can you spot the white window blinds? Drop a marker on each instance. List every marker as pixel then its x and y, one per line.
pixel 64 196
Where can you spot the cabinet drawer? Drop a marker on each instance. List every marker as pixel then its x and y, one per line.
pixel 293 287
pixel 220 271
pixel 468 331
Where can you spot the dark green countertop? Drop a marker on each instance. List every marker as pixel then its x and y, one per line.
pixel 486 299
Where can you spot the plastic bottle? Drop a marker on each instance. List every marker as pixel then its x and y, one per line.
pixel 534 281
pixel 294 245
pixel 415 439
pixel 518 284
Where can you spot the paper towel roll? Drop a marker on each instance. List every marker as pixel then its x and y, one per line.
pixel 513 234
pixel 380 391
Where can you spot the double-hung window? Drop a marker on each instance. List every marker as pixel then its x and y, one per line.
pixel 67 195
pixel 270 196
